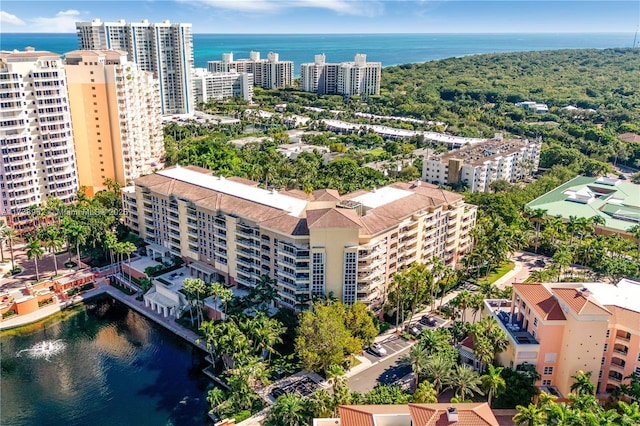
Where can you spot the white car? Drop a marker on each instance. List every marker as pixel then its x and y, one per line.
pixel 378 349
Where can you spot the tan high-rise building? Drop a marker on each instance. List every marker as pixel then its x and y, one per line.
pixel 38 158
pixel 115 112
pixel 311 244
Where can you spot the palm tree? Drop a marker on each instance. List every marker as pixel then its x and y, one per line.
pixel 425 394
pixel 466 381
pixel 78 233
pixel 53 243
pixel 35 252
pixel 128 248
pixel 289 410
pixel 215 397
pixel 583 384
pixel 438 371
pixel 562 257
pixel 198 290
pixel 530 415
pixel 493 382
pixel 635 231
pixel 225 295
pixel 10 236
pixel 321 404
pixel 418 358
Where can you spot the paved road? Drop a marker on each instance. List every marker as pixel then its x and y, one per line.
pixel 387 370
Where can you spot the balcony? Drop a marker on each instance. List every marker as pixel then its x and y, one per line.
pixel 623 335
pixel 615 376
pixel 620 349
pixel 247 243
pixel 293 276
pixel 510 322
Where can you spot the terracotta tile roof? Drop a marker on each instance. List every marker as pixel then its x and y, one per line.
pixel 577 302
pixel 468 342
pixel 537 296
pixel 243 181
pixel 287 224
pixel 34 54
pixel 469 414
pixel 430 190
pixel 363 415
pixel 333 218
pixel 326 195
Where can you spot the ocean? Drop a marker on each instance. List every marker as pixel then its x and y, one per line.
pixel 390 49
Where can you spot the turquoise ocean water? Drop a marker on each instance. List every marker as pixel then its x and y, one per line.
pixel 390 49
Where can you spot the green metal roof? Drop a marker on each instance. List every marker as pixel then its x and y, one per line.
pixel 587 197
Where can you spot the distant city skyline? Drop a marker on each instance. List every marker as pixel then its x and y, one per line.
pixel 333 16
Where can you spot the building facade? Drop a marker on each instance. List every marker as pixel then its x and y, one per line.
pixel 115 113
pixel 222 85
pixel 269 73
pixel 349 245
pixel 479 165
pixel 357 78
pixel 38 157
pixel 163 48
pixel 562 328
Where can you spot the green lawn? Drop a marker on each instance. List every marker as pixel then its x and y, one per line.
pixel 498 273
pixel 377 152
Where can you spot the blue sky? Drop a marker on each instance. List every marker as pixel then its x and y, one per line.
pixel 333 16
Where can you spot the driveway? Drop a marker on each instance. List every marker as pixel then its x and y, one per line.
pixel 387 370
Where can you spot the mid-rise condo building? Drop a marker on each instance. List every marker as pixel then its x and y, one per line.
pixel 269 73
pixel 562 328
pixel 222 85
pixel 115 113
pixel 38 158
pixel 355 78
pixel 163 48
pixel 232 231
pixel 479 165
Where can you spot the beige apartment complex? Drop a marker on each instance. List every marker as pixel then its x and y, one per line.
pixel 346 78
pixel 269 73
pixel 479 165
pixel 163 48
pixel 562 328
pixel 222 85
pixel 36 139
pixel 231 230
pixel 115 113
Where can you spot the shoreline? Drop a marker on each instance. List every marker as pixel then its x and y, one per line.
pixel 103 288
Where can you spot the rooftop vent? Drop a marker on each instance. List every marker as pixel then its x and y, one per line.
pixel 585 292
pixel 452 415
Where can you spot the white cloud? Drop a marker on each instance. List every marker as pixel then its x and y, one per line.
pixel 342 7
pixel 9 19
pixel 63 22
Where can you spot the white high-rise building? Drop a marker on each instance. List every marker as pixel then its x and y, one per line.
pixel 269 73
pixel 355 78
pixel 221 85
pixel 163 48
pixel 115 113
pixel 38 158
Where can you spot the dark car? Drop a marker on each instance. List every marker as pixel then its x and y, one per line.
pixel 540 263
pixel 428 320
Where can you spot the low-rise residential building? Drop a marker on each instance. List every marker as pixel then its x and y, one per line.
pixel 536 107
pixel 310 244
pixel 269 73
pixel 614 200
pixel 347 78
pixel 563 328
pixel 222 85
pixel 471 413
pixel 479 165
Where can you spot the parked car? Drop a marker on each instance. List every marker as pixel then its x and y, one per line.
pixel 414 329
pixel 540 263
pixel 378 349
pixel 428 320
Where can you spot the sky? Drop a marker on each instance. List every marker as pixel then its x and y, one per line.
pixel 332 16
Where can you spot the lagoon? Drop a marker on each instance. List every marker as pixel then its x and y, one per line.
pixel 101 364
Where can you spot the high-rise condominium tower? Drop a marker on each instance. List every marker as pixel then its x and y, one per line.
pixel 346 78
pixel 38 158
pixel 269 73
pixel 164 48
pixel 115 112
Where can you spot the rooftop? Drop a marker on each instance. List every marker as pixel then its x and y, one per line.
pixel 486 151
pixel 294 206
pixel 380 197
pixel 625 294
pixel 616 201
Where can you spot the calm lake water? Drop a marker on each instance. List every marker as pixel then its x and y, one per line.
pixel 114 368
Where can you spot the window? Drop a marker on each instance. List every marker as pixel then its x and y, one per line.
pixel 637 371
pixel 317 273
pixel 350 276
pixel 546 383
pixel 600 374
pixel 606 347
pixel 602 361
pixel 608 333
pixel 535 322
pixel 547 371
